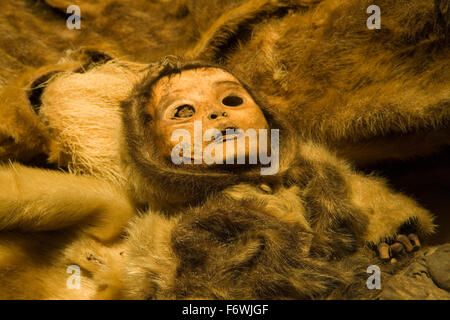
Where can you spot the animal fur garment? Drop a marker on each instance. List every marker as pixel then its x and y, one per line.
pixel 304 232
pixel 234 233
pixel 249 241
pixel 85 121
pixel 371 95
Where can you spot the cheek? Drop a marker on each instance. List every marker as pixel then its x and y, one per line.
pixel 162 142
pixel 250 119
pixel 181 133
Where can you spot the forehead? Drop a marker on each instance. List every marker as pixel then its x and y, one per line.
pixel 191 80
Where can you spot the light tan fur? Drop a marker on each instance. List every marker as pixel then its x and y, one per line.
pixel 51 220
pixel 80 201
pixel 85 121
pixel 60 219
pixel 387 210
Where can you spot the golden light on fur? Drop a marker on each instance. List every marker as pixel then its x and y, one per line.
pixel 139 228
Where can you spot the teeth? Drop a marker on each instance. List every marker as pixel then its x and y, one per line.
pixel 229 136
pixel 225 137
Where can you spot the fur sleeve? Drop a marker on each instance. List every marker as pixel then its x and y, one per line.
pixel 35 200
pixel 369 205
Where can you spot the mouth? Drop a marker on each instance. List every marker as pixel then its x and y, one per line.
pixel 229 133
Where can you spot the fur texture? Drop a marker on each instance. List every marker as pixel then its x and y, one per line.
pixel 303 233
pixel 86 123
pixel 359 91
pixel 51 220
pixel 353 212
pixel 246 242
pixel 238 239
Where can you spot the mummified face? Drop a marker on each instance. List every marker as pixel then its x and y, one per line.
pixel 204 108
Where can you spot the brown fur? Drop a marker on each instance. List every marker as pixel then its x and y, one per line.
pixel 357 90
pixel 341 220
pixel 291 235
pixel 34 33
pixel 367 85
pixel 243 243
pixel 231 244
pixel 370 95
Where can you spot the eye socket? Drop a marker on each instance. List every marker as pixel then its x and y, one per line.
pixel 232 101
pixel 184 111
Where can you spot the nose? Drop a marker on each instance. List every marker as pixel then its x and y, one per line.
pixel 217 114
